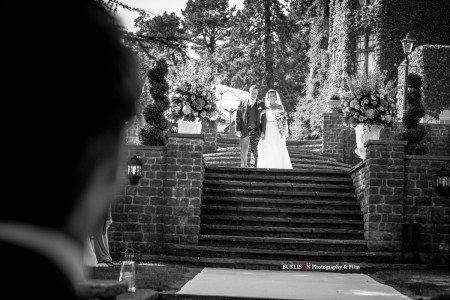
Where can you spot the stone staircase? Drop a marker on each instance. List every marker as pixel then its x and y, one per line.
pixel 230 141
pixel 303 154
pixel 301 159
pixel 256 218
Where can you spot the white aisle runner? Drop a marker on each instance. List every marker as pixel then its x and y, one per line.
pixel 288 285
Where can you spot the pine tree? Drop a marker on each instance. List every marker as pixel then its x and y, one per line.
pixel 266 48
pixel 208 23
pixel 167 34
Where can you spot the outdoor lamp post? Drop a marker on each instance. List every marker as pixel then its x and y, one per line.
pixel 221 93
pixel 134 170
pixel 443 181
pixel 408 44
pixel 221 90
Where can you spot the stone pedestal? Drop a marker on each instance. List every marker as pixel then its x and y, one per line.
pixel 383 209
pixel 333 136
pixel 183 188
pixel 209 131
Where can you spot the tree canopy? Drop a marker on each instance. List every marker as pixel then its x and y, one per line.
pixel 208 23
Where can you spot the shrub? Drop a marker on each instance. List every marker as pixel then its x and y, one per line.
pixel 153 133
pixel 415 132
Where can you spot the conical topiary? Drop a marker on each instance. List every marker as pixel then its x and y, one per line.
pixel 415 132
pixel 153 132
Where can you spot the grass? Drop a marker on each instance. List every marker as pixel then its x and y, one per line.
pixel 416 283
pixel 155 277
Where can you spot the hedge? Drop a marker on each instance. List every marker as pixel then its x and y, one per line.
pixel 433 64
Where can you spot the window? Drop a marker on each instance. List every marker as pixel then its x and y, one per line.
pixel 366 2
pixel 365 53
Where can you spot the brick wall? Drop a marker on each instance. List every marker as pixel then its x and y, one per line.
pixel 360 181
pixel 134 213
pixel 439 143
pixel 425 206
pixel 209 131
pixel 164 207
pixel 395 190
pixel 440 137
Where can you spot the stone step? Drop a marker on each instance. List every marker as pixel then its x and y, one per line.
pixel 282 243
pixel 263 264
pixel 278 186
pixel 290 149
pixel 282 232
pixel 233 192
pixel 282 212
pixel 294 160
pixel 278 203
pixel 236 155
pixel 314 148
pixel 287 255
pixel 288 142
pixel 282 222
pixel 279 172
pixel 296 166
pixel 285 179
pixel 293 154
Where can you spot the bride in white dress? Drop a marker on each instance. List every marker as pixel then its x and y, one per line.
pixel 272 150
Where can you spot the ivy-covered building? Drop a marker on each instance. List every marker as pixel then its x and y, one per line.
pixel 365 35
pixel 351 36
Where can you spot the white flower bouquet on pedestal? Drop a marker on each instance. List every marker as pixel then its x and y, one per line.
pixel 368 106
pixel 190 104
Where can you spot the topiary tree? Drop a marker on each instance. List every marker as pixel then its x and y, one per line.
pixel 153 132
pixel 415 132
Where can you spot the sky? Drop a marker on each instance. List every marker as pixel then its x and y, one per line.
pixel 157 7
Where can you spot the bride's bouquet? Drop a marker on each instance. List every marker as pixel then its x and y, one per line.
pixel 281 118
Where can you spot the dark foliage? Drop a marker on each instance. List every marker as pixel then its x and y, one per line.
pixel 153 132
pixel 433 62
pixel 413 115
pixel 415 132
pixel 427 21
pixel 414 80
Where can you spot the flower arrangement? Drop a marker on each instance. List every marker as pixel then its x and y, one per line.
pixel 281 118
pixel 369 100
pixel 193 100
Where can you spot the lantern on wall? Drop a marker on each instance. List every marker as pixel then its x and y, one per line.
pixel 443 181
pixel 134 170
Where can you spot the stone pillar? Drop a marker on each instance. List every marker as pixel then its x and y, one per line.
pixel 383 215
pixel 333 136
pixel 182 188
pixel 209 130
pixel 132 132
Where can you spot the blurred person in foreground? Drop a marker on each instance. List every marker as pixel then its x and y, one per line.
pixel 71 86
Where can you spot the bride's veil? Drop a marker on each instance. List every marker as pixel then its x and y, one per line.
pixel 267 101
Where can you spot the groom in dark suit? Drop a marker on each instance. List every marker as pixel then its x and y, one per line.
pixel 250 125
